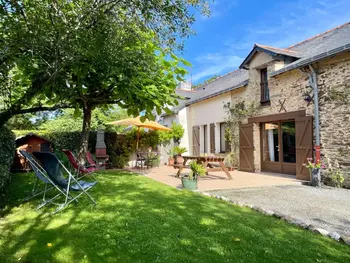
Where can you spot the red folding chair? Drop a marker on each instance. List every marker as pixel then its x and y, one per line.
pixel 79 168
pixel 91 160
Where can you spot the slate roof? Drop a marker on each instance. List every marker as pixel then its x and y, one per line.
pixel 273 51
pixel 230 81
pixel 186 95
pixel 319 47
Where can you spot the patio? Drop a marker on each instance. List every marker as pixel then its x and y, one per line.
pixel 219 180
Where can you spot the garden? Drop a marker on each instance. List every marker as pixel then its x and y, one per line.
pixel 137 219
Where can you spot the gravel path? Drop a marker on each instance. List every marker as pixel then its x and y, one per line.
pixel 327 208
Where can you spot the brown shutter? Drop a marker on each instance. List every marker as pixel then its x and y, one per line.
pixel 304 137
pixel 246 147
pixel 212 138
pixel 195 140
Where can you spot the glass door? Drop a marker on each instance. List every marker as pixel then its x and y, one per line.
pixel 278 147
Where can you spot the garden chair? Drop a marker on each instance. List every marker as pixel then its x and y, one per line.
pixel 41 175
pixel 69 185
pixel 79 168
pixel 93 163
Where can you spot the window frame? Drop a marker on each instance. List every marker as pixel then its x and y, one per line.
pixel 264 87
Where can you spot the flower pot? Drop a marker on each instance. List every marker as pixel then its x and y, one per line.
pixel 171 161
pixel 315 177
pixel 189 184
pixel 179 160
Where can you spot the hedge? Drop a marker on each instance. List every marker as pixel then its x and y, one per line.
pixel 7 151
pixel 119 147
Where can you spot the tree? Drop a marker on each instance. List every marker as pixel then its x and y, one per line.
pixel 66 120
pixel 89 53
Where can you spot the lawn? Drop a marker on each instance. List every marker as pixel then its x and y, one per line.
pixel 140 220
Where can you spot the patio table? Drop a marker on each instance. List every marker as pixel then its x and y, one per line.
pixel 206 162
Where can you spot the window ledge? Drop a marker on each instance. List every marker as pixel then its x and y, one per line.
pixel 265 103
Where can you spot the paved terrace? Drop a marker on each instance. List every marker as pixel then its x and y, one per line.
pixel 218 180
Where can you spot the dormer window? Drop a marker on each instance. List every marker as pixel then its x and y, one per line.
pixel 264 86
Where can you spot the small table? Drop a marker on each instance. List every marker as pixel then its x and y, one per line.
pixel 206 162
pixel 143 157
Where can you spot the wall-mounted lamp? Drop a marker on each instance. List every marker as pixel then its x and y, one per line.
pixel 307 97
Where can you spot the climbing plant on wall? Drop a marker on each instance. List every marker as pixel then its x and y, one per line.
pixel 236 114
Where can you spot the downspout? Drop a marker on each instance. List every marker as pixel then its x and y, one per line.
pixel 313 82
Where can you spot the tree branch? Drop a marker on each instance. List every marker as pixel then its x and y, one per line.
pixel 41 108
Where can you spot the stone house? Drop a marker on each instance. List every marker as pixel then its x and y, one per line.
pixel 303 106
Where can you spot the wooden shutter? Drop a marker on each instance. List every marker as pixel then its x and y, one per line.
pixel 304 138
pixel 212 138
pixel 246 147
pixel 195 140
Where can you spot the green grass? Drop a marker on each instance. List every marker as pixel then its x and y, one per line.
pixel 140 220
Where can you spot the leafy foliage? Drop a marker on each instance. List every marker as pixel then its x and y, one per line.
pixel 176 134
pixel 7 150
pixel 178 150
pixel 66 120
pixel 333 172
pixel 90 54
pixel 197 170
pixel 236 115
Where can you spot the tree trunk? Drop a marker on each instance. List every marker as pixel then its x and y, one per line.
pixel 84 138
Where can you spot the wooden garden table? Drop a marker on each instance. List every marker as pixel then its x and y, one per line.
pixel 206 162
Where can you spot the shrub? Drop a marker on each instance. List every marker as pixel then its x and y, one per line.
pixel 7 151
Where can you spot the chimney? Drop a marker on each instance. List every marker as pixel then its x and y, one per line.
pixel 101 149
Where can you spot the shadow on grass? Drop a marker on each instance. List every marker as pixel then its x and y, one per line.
pixel 140 220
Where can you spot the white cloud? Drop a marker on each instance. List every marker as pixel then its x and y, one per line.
pixel 215 63
pixel 304 20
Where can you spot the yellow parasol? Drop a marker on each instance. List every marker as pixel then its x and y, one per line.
pixel 137 122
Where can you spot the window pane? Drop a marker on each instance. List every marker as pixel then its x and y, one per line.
pixel 222 137
pixel 270 142
pixel 288 138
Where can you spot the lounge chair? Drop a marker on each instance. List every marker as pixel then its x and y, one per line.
pixel 79 168
pixel 41 175
pixel 69 185
pixel 93 163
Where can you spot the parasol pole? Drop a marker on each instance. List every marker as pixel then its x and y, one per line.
pixel 138 137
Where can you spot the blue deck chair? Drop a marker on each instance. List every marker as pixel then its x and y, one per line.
pixel 69 185
pixel 41 175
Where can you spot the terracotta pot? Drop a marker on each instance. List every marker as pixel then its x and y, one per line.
pixel 171 161
pixel 179 159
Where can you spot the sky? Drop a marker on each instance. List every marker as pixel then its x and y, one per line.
pixel 224 39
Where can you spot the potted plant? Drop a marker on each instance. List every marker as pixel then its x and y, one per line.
pixel 231 161
pixel 171 159
pixel 178 151
pixel 190 181
pixel 315 171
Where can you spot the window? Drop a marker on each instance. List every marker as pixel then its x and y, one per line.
pixel 265 94
pixel 205 132
pixel 224 145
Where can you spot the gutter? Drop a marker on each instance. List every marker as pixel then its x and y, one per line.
pixel 313 82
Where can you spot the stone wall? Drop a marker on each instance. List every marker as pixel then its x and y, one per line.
pixel 290 87
pixel 334 100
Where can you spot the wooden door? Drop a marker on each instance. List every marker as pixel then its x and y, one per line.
pixel 195 141
pixel 212 138
pixel 304 138
pixel 246 147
